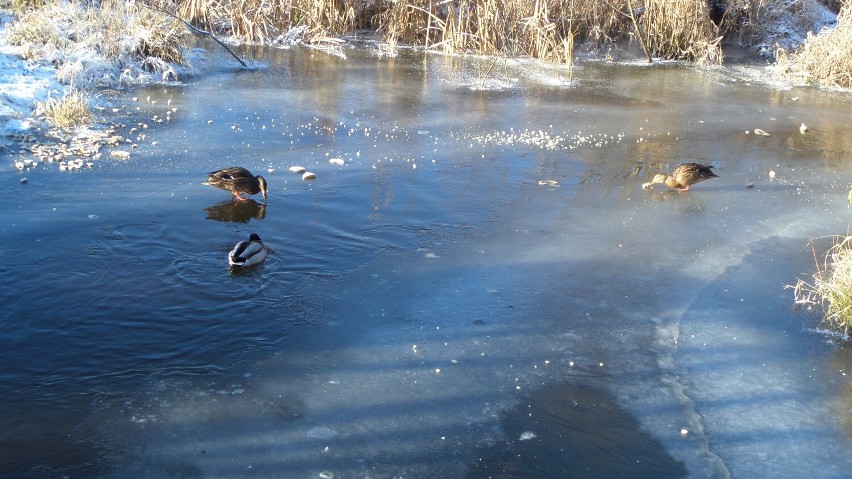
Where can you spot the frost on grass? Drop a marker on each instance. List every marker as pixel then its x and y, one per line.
pixel 54 52
pixel 71 110
pixel 110 45
pixel 831 288
pixel 780 24
pixel 824 59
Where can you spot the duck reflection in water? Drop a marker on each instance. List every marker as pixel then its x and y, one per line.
pixel 239 211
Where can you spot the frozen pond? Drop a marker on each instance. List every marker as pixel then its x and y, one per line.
pixel 481 288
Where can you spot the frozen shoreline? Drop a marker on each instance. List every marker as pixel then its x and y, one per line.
pixel 24 82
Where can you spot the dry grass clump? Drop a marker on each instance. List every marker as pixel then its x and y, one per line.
pixel 681 29
pixel 543 29
pixel 549 29
pixel 22 6
pixel 96 44
pixel 824 59
pixel 832 285
pixel 261 21
pixel 69 111
pixel 540 29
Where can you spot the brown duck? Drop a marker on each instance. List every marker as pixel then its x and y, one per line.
pixel 237 180
pixel 683 176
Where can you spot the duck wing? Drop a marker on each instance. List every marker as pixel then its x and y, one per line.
pixel 232 173
pixel 235 178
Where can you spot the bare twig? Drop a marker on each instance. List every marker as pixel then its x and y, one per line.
pixel 638 32
pixel 195 29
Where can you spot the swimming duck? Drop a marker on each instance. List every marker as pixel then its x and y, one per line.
pixel 247 253
pixel 683 176
pixel 237 180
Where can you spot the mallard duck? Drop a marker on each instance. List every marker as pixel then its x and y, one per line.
pixel 237 180
pixel 247 253
pixel 683 176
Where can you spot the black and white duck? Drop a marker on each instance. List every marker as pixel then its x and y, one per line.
pixel 247 253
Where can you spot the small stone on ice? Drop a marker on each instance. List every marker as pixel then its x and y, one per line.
pixel 437 370
pixel 23 181
pixel 527 435
pixel 771 175
pixel 326 475
pixel 336 161
pixel 297 169
pixel 307 176
pixel 684 432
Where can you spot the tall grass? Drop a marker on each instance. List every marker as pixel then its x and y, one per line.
pixel 549 29
pixel 824 59
pixel 260 21
pixel 681 29
pixel 71 110
pixel 544 29
pixel 112 34
pixel 831 287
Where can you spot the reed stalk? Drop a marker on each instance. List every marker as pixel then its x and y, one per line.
pixel 69 111
pixel 831 288
pixel 824 59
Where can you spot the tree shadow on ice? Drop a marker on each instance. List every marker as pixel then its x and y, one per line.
pixel 574 430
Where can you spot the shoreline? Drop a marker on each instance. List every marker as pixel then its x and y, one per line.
pixel 24 82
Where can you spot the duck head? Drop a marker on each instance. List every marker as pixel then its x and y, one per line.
pixel 262 182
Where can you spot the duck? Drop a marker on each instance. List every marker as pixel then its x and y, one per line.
pixel 247 253
pixel 683 176
pixel 237 180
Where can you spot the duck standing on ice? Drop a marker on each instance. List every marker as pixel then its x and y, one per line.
pixel 237 180
pixel 683 176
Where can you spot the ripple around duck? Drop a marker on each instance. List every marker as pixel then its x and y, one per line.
pixel 137 303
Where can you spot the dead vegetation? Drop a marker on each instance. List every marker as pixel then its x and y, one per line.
pixel 549 30
pixel 825 59
pixel 105 45
pixel 68 111
pixel 831 288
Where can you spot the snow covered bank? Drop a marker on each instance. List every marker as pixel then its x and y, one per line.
pixel 116 47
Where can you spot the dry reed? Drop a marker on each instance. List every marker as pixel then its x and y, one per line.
pixel 261 21
pixel 543 29
pixel 67 112
pixel 831 288
pixel 549 29
pixel 113 35
pixel 824 59
pixel 681 29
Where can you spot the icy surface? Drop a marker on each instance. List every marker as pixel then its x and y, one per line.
pixel 476 254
